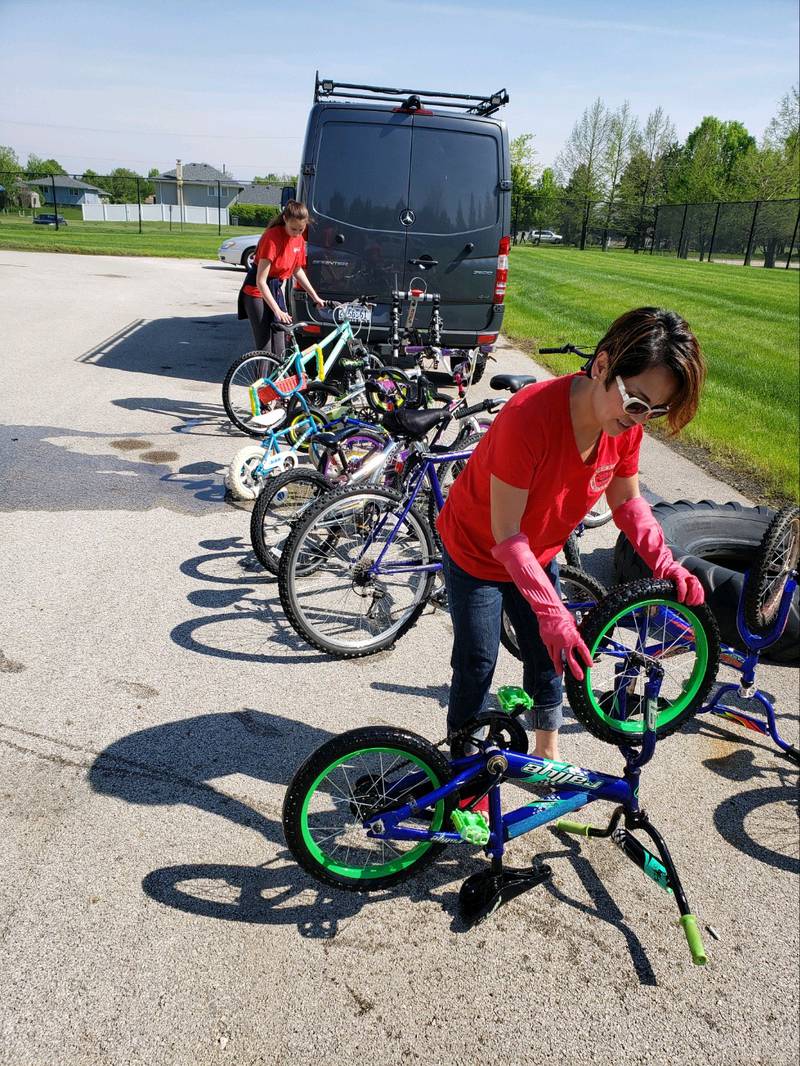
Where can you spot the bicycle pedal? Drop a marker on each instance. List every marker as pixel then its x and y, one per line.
pixel 471 826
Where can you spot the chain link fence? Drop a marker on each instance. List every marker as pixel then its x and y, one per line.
pixel 753 233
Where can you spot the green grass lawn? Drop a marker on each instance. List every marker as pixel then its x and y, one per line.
pixel 117 238
pixel 745 318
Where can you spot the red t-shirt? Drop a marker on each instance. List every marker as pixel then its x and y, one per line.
pixel 531 445
pixel 285 252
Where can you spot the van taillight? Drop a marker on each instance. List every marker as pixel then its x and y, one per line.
pixel 501 275
pixel 312 328
pixel 487 338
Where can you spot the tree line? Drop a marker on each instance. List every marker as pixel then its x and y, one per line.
pixel 612 157
pixel 120 183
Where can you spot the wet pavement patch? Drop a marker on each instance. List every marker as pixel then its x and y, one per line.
pixel 159 457
pixel 130 444
pixel 9 666
pixel 135 688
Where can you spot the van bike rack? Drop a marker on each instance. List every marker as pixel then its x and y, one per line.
pixel 412 100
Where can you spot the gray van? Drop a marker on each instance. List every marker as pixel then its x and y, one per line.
pixel 406 185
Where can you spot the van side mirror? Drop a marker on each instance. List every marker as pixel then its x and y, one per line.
pixel 288 192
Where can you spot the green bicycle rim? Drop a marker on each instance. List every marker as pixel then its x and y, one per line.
pixel 690 688
pixel 402 862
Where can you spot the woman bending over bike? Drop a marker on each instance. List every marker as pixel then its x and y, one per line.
pixel 551 452
pixel 280 256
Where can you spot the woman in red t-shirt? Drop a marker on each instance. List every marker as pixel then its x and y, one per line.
pixel 280 255
pixel 552 451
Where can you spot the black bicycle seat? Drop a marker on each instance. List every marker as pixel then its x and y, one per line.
pixel 512 382
pixel 415 423
pixel 289 327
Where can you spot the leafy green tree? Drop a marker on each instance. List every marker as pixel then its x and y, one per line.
pixel 9 163
pixel 37 167
pixel 580 162
pixel 547 197
pixel 523 173
pixel 711 162
pixel 623 135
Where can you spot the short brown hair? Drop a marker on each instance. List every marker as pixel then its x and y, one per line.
pixel 648 337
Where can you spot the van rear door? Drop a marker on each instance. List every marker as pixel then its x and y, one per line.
pixel 458 205
pixel 357 244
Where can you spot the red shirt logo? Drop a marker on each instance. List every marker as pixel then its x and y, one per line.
pixel 601 478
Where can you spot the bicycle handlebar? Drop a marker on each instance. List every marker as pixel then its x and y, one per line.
pixel 477 408
pixel 567 349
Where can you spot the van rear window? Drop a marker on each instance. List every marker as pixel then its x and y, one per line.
pixel 362 174
pixel 454 180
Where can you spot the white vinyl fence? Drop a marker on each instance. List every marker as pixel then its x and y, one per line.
pixel 153 213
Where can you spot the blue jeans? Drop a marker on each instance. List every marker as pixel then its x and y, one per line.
pixel 476 609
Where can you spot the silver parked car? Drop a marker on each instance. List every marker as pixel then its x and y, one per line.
pixel 239 251
pixel 545 236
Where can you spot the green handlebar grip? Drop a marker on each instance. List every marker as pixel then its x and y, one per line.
pixel 573 827
pixel 689 923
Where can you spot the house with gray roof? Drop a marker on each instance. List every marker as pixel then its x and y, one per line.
pixel 261 194
pixel 69 191
pixel 201 185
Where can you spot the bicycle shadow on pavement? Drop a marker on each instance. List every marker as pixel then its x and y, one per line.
pixel 604 907
pixel 761 823
pixel 178 763
pixel 193 417
pixel 252 628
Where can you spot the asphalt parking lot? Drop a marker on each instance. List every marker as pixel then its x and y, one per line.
pixel 155 705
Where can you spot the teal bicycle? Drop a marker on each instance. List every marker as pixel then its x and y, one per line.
pixel 258 392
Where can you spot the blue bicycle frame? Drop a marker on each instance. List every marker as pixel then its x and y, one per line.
pixel 575 787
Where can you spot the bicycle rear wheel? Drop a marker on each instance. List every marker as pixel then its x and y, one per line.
pixel 334 591
pixel 282 499
pixel 599 514
pixel 355 776
pixel 243 373
pixel 640 633
pixel 579 592
pixel 776 559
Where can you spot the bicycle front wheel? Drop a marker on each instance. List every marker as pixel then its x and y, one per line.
pixel 244 373
pixel 352 576
pixel 355 776
pixel 282 499
pixel 640 634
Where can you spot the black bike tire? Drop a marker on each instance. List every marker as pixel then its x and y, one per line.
pixel 572 552
pixel 226 385
pixel 263 501
pixel 758 615
pixel 718 543
pixel 333 750
pixel 566 573
pixel 592 627
pixel 286 575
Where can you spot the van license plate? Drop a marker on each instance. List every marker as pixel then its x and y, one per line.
pixel 355 313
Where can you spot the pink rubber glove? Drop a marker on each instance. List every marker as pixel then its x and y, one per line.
pixel 556 625
pixel 639 525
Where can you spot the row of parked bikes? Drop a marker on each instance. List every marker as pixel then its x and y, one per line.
pixel 350 462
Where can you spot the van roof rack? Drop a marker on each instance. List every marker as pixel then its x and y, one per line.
pixel 410 99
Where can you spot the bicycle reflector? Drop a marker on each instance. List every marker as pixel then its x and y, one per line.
pixel 501 274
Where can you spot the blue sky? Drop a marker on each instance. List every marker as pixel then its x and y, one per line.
pixel 140 84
